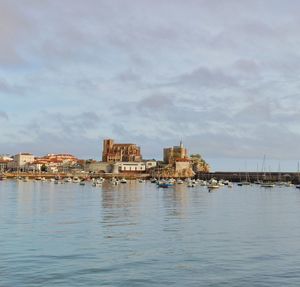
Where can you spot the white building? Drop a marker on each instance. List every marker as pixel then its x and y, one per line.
pixel 150 163
pixel 132 166
pixel 21 161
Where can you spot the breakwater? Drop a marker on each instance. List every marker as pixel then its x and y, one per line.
pixel 293 177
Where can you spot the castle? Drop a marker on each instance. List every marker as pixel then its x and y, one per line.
pixel 116 152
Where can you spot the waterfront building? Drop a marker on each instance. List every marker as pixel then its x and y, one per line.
pixel 171 154
pixel 116 152
pixel 58 158
pixel 133 167
pixel 151 163
pixel 4 165
pixel 21 161
pixel 54 163
pixel 4 162
pixel 176 163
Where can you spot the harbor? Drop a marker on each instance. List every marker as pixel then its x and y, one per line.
pixel 293 177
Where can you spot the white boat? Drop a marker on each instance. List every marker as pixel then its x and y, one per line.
pixel 68 179
pixel 179 181
pixel 203 183
pixel 141 181
pixel 213 184
pixel 267 184
pixel 98 181
pixel 243 183
pixel 114 181
pixel 191 184
pixel 76 179
pixel 123 180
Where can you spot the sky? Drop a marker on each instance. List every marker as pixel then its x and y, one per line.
pixel 222 76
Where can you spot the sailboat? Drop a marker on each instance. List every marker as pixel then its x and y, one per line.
pixel 268 183
pixel 247 178
pixel 279 180
pixel 298 185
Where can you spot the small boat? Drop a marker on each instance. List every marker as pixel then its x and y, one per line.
pixel 153 180
pixel 203 183
pixel 164 184
pixel 68 179
pixel 123 180
pixel 298 186
pixel 82 182
pixel 212 186
pixel 76 179
pixel 244 183
pixel 114 181
pixel 179 181
pixel 267 184
pixel 141 181
pixel 191 184
pixel 97 183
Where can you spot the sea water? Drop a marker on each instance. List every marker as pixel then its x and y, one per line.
pixel 135 234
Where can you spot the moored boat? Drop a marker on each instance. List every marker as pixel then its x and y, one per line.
pixel 76 179
pixel 267 184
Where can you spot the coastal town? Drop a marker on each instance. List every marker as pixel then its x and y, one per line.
pixel 122 160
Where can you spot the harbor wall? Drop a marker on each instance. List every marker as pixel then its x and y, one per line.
pixel 293 177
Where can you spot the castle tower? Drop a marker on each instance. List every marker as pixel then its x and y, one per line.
pixel 107 146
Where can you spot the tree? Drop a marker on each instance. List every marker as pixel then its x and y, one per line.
pixel 43 168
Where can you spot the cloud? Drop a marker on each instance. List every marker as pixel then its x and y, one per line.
pixel 222 75
pixel 3 115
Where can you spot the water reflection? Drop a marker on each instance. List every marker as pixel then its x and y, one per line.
pixel 176 201
pixel 121 208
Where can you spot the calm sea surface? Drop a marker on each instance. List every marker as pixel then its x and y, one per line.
pixel 137 235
